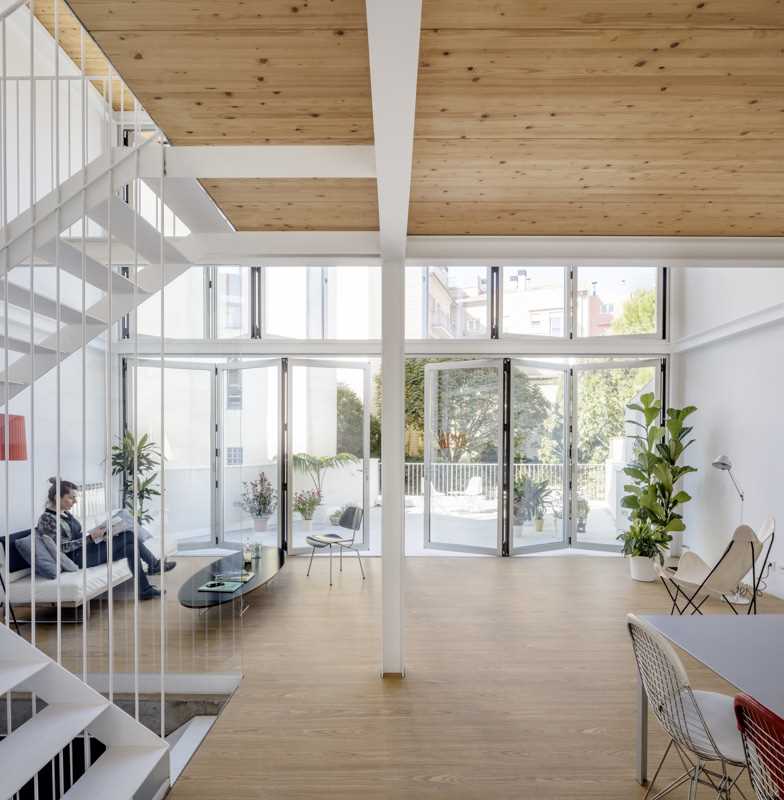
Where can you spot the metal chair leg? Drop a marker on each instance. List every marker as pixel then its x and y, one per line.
pixel 310 563
pixel 330 565
pixel 361 568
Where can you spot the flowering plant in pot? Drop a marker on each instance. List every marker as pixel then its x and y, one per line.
pixel 305 503
pixel 259 499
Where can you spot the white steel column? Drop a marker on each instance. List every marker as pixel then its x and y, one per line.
pixel 393 41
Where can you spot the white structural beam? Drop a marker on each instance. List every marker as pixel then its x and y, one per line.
pixel 393 41
pixel 270 247
pixel 605 251
pixel 270 161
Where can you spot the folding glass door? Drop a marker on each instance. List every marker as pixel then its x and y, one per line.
pixel 328 447
pixel 248 451
pixel 601 445
pixel 538 480
pixel 463 446
pixel 189 409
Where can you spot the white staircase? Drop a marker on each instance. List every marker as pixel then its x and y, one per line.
pixel 135 765
pixel 127 227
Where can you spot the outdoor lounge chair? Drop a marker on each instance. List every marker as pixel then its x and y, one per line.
pixel 695 581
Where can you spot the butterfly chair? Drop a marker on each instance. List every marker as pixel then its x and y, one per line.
pixel 701 725
pixel 763 742
pixel 695 580
pixel 350 519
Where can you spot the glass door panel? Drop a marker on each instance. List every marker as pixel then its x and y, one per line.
pixel 187 448
pixel 601 431
pixel 463 456
pixel 329 429
pixel 537 456
pixel 249 451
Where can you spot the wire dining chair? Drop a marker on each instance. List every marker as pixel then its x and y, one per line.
pixel 763 742
pixel 701 725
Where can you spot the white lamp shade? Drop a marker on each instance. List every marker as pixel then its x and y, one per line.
pixel 723 462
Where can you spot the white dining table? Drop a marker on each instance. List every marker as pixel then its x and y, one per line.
pixel 746 650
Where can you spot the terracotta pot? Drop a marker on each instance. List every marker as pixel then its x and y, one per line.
pixel 538 524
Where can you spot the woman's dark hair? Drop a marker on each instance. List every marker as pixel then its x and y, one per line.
pixel 65 487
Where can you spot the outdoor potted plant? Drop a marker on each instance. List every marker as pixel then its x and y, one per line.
pixel 259 499
pixel 644 545
pixel 305 503
pixel 581 512
pixel 539 501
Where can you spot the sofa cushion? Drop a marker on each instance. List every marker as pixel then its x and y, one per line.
pixel 16 563
pixel 72 589
pixel 45 555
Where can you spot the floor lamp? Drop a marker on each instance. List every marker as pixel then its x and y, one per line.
pixel 724 463
pixel 15 449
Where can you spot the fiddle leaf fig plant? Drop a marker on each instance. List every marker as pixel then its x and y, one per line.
pixel 653 495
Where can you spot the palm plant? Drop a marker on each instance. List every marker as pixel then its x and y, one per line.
pixel 137 461
pixel 315 467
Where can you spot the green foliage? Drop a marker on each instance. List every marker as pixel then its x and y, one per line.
pixel 639 313
pixel 529 499
pixel 643 539
pixel 259 498
pixel 653 493
pixel 137 462
pixel 350 421
pixel 470 408
pixel 603 394
pixel 315 467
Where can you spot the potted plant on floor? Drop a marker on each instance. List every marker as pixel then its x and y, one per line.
pixel 582 508
pixel 259 499
pixel 644 545
pixel 539 501
pixel 315 467
pixel 306 503
pixel 653 495
pixel 137 462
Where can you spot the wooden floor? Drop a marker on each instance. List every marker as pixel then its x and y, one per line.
pixel 520 684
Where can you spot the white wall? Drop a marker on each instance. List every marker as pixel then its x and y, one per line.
pixel 22 509
pixel 736 383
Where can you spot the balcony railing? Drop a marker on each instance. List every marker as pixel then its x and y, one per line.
pixel 451 478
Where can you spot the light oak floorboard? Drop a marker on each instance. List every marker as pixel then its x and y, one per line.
pixel 520 684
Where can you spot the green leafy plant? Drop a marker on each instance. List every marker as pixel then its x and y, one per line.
pixel 315 467
pixel 653 495
pixel 644 540
pixel 530 499
pixel 334 517
pixel 137 462
pixel 307 502
pixel 259 498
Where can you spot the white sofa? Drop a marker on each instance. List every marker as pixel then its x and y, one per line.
pixel 75 588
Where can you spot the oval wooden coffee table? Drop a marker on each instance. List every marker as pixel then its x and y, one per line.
pixel 265 569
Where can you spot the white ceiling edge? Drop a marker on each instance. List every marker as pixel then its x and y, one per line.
pixel 270 161
pixel 289 247
pixel 605 251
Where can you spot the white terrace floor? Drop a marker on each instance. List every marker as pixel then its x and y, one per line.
pixel 460 527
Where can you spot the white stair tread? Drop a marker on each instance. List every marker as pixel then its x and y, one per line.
pixel 13 673
pixel 118 773
pixel 34 744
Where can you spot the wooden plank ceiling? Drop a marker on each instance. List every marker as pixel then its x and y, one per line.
pixel 233 72
pixel 550 118
pixel 600 117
